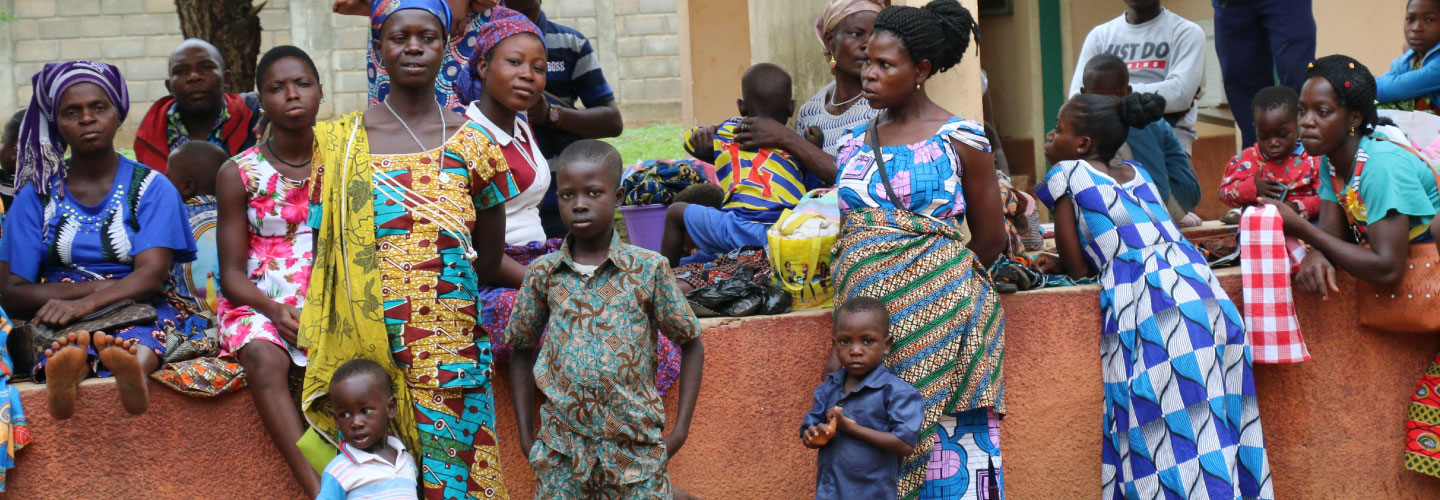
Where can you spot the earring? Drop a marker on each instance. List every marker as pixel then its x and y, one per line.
pixel 1352 130
pixel 917 86
pixel 832 61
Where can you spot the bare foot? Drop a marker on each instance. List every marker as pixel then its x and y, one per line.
pixel 119 357
pixel 65 366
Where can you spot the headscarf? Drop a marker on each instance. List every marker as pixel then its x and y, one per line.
pixel 380 10
pixel 504 23
pixel 837 10
pixel 40 147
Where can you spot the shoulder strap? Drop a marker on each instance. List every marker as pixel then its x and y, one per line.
pixel 872 137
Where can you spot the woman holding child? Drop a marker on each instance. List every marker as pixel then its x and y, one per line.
pixel 405 198
pixel 265 248
pixel 1380 190
pixel 901 240
pixel 91 232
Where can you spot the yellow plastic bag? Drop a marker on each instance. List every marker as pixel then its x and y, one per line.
pixel 799 247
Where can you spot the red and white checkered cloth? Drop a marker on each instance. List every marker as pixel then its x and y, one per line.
pixel 1267 258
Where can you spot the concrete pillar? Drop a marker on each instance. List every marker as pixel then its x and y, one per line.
pixel 712 57
pixel 310 29
pixel 957 90
pixel 8 100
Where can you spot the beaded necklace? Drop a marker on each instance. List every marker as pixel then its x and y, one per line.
pixel 89 223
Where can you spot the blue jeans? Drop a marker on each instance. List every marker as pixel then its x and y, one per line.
pixel 1258 40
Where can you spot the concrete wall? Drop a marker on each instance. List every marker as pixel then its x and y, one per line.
pixel 635 40
pixel 1334 426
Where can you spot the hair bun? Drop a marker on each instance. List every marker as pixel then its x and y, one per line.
pixel 1139 110
pixel 958 27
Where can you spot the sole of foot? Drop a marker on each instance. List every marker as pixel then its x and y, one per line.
pixel 65 366
pixel 119 357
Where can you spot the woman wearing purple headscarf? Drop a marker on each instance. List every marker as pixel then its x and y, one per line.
pixel 91 231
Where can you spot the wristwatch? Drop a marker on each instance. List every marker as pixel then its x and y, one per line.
pixel 553 116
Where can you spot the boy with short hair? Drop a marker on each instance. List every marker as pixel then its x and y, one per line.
pixel 758 184
pixel 1276 165
pixel 192 169
pixel 1413 81
pixel 371 463
pixel 863 414
pixel 599 301
pixel 1155 146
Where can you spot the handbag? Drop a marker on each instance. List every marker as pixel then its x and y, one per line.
pixel 1409 306
pixel 34 338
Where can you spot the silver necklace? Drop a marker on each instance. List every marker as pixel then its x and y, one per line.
pixel 847 102
pixel 443 127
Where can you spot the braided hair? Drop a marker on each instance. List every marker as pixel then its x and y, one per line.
pixel 939 32
pixel 1107 121
pixel 1353 84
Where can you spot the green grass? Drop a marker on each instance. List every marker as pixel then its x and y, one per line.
pixel 650 143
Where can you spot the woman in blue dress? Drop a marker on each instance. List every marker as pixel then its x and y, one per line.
pixel 1181 419
pixel 91 231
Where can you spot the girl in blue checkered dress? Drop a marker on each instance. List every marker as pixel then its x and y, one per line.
pixel 1181 419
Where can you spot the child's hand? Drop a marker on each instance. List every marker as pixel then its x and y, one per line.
pixel 1266 187
pixel 1049 263
pixel 815 136
pixel 702 139
pixel 819 434
pixel 838 419
pixel 286 320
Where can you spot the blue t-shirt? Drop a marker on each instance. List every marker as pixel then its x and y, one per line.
pixel 59 238
pixel 1391 179
pixel 849 467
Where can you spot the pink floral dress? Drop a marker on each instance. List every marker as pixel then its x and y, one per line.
pixel 280 257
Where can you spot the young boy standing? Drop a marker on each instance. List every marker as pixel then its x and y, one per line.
pixel 599 302
pixel 371 463
pixel 863 414
pixel 1276 166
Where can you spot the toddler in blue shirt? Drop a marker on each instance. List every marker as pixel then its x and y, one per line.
pixel 865 418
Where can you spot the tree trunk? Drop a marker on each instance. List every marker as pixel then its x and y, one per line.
pixel 233 26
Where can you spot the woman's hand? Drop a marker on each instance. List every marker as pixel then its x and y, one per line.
pixel 351 7
pixel 59 313
pixel 1316 275
pixel 1287 211
pixel 286 319
pixel 762 133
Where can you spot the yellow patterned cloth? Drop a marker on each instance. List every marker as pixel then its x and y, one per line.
pixel 342 319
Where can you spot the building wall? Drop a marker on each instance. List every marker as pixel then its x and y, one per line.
pixel 635 39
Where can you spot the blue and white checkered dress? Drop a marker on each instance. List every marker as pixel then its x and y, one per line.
pixel 1181 419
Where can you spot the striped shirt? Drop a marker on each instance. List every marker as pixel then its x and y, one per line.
pixel 573 74
pixel 355 474
pixel 832 126
pixel 758 184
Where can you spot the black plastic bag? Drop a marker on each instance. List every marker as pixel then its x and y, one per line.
pixel 739 295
